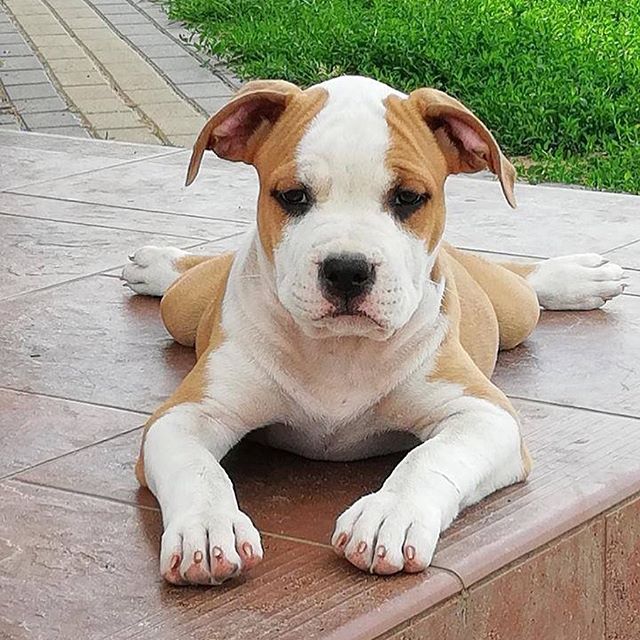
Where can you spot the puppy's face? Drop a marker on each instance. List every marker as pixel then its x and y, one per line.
pixel 351 207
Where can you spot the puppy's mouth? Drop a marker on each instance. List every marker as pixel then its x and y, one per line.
pixel 346 313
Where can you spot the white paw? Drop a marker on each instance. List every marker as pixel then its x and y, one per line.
pixel 385 533
pixel 208 548
pixel 152 270
pixel 577 282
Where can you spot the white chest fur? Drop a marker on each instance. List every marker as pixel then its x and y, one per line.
pixel 328 389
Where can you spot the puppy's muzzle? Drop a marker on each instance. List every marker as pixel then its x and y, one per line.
pixel 345 279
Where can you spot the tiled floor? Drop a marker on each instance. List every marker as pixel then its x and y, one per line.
pixel 84 361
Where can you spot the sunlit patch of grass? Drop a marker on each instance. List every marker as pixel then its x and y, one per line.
pixel 558 81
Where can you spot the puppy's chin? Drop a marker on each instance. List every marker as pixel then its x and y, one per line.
pixel 344 326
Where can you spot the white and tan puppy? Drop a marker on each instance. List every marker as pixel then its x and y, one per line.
pixel 345 325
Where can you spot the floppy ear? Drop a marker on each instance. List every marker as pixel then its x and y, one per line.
pixel 235 132
pixel 467 144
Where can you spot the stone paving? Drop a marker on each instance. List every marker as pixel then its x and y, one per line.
pixel 112 69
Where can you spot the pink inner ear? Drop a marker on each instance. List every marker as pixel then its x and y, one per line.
pixel 231 126
pixel 467 135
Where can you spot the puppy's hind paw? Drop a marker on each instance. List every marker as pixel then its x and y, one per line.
pixel 152 270
pixel 577 282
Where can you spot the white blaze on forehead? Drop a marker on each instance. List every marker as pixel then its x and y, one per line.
pixel 344 149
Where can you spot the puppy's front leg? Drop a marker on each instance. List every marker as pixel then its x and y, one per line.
pixel 472 449
pixel 207 539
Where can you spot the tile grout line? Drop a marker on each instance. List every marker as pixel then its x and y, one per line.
pixel 82 277
pixel 99 226
pixel 104 271
pixel 14 475
pixel 118 206
pixel 573 406
pixel 622 246
pixel 53 396
pixel 121 163
pixel 87 494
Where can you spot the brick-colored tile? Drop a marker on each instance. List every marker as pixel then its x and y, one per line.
pixel 444 622
pixel 42 253
pixel 623 572
pixel 37 428
pixel 560 363
pixel 93 572
pixel 556 593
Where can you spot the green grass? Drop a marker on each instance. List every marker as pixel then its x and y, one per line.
pixel 557 81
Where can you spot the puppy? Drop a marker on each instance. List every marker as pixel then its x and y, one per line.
pixel 345 325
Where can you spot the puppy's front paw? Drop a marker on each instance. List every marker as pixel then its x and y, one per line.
pixel 385 533
pixel 208 548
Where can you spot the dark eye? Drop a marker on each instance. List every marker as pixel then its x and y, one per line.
pixel 404 202
pixel 294 201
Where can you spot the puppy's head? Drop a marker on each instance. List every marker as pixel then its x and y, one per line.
pixel 351 206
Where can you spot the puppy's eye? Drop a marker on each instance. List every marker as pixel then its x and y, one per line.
pixel 404 202
pixel 294 201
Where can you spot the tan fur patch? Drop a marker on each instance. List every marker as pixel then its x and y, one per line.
pixel 415 159
pixel 275 162
pixel 191 310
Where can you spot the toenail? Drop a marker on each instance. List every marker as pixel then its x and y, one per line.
pixel 410 553
pixel 362 547
pixel 247 549
pixel 216 552
pixel 175 561
pixel 197 557
pixel 342 540
pixel 382 551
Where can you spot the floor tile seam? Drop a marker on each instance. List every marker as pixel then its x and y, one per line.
pixel 623 246
pixel 53 396
pixel 554 403
pixel 104 69
pixel 97 226
pixel 119 162
pixel 11 191
pixel 15 475
pixel 86 494
pixel 16 296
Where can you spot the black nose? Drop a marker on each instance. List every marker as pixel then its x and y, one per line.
pixel 346 276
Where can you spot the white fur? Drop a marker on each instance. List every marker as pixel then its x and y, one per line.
pixel 577 282
pixel 341 159
pixel 473 450
pixel 152 269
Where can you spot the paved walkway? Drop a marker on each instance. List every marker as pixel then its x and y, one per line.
pixel 113 69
